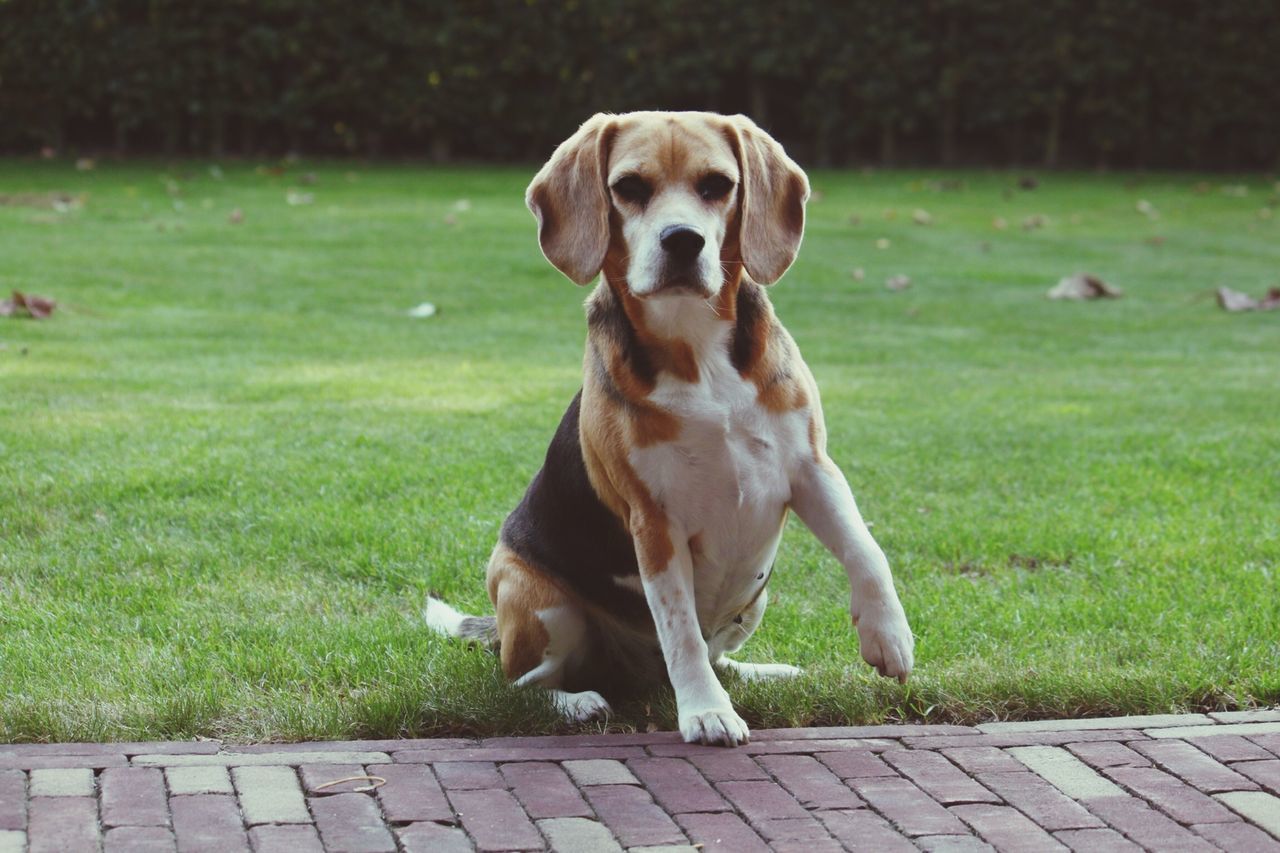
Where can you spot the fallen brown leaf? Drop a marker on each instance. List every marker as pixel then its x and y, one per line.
pixel 1083 286
pixel 20 304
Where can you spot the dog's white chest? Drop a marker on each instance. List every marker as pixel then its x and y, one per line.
pixel 726 482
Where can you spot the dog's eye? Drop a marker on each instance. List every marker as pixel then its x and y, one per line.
pixel 714 187
pixel 632 188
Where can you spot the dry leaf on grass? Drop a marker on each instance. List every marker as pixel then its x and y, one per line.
pixel 898 282
pixel 1235 301
pixel 27 305
pixel 1083 286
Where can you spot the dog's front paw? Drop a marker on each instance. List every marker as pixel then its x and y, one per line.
pixel 717 727
pixel 580 707
pixel 886 642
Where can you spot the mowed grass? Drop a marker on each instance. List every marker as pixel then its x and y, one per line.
pixel 232 466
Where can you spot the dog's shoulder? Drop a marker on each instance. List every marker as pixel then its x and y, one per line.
pixel 562 527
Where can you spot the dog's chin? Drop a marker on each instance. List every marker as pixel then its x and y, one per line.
pixel 677 285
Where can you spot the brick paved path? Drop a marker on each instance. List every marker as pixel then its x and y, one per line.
pixel 1187 782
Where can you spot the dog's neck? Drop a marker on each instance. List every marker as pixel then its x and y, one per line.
pixel 682 334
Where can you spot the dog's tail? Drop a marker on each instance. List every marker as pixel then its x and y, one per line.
pixel 443 619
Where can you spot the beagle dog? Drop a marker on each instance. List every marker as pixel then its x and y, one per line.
pixel 646 541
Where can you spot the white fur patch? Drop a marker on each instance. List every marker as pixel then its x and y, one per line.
pixel 727 479
pixel 442 618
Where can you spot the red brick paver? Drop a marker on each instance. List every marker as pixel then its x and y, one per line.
pixel 285 838
pixel 62 823
pixel 938 777
pixel 13 800
pixel 725 833
pixel 1187 783
pixel 495 820
pixel 133 796
pixel 677 785
pixel 545 790
pixel 207 822
pixel 351 822
pixel 411 793
pixel 811 783
pixel 633 816
pixel 138 839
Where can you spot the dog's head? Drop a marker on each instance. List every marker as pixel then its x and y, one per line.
pixel 674 200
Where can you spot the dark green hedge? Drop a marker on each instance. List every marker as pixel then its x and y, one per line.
pixel 1098 82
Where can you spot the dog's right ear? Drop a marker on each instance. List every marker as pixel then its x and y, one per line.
pixel 570 198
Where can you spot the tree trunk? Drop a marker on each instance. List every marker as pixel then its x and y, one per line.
pixel 759 103
pixel 440 148
pixel 886 143
pixel 248 136
pixel 172 135
pixel 218 132
pixel 1053 137
pixel 947 136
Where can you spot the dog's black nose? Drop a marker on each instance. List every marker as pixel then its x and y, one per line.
pixel 681 242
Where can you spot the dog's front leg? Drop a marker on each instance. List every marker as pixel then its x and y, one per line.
pixel 666 571
pixel 820 495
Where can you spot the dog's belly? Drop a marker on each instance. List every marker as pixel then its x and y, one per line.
pixel 726 482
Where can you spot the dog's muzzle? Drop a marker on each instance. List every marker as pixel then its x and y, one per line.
pixel 681 248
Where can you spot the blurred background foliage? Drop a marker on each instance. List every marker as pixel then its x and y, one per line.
pixel 1097 83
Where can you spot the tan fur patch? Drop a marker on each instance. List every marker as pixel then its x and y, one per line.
pixel 607 436
pixel 518 591
pixel 773 363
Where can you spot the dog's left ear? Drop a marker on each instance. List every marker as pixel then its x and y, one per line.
pixel 773 192
pixel 570 198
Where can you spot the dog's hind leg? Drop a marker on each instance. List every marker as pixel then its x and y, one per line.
pixel 542 633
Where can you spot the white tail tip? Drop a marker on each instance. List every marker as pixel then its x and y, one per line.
pixel 442 618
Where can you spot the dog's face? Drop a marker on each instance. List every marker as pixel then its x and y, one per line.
pixel 675 200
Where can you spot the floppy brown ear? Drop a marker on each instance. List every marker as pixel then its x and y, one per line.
pixel 774 191
pixel 570 198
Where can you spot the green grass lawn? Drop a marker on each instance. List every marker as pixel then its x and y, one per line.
pixel 232 467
